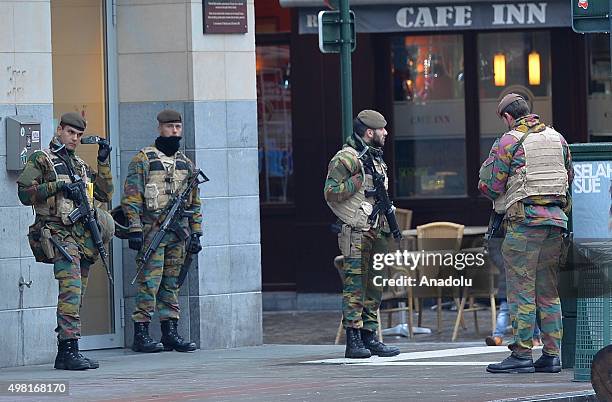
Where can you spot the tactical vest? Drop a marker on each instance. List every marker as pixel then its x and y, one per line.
pixel 58 206
pixel 167 176
pixel 356 210
pixel 544 172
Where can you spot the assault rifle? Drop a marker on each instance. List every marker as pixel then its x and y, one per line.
pixel 85 212
pixel 172 215
pixel 383 203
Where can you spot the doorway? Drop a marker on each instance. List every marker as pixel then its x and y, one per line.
pixel 82 82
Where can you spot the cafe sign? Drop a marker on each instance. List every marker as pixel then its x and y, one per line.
pixel 457 16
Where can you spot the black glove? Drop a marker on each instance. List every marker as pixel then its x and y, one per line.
pixel 194 244
pixel 104 150
pixel 72 191
pixel 135 240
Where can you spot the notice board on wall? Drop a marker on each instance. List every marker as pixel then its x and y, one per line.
pixel 225 16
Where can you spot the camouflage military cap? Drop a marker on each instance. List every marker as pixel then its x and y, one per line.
pixel 73 119
pixel 506 101
pixel 372 119
pixel 169 116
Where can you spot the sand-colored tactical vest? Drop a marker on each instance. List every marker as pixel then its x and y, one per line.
pixel 356 210
pixel 167 176
pixel 544 172
pixel 59 206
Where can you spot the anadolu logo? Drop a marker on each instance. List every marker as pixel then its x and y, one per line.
pixel 583 4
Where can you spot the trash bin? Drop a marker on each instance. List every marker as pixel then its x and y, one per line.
pixel 586 298
pixel 594 304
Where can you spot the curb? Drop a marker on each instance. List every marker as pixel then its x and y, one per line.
pixel 578 396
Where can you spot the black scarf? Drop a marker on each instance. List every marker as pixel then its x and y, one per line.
pixel 168 145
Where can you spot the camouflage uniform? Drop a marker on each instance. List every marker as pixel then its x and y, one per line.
pixel 158 279
pixel 38 186
pixel 360 297
pixel 533 242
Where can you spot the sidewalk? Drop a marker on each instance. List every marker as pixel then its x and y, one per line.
pixel 300 363
pixel 455 372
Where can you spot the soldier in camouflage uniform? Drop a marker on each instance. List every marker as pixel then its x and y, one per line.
pixel 45 184
pixel 154 175
pixel 359 239
pixel 528 175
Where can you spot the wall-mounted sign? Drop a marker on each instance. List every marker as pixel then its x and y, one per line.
pixel 591 189
pixel 441 17
pixel 225 16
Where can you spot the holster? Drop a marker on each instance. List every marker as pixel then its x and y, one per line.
pixel 40 243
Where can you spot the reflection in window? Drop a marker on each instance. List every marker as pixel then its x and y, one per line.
pixel 599 102
pixel 429 115
pixel 522 59
pixel 274 124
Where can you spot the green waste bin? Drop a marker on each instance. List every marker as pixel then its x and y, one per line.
pixel 588 318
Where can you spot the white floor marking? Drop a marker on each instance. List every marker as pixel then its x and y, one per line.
pixel 476 350
pixel 466 363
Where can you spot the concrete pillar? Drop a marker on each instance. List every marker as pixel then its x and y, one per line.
pixel 27 317
pixel 165 61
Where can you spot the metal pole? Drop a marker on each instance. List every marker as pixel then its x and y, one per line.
pixel 610 33
pixel 346 85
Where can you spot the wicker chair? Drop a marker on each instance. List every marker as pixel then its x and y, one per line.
pixel 436 236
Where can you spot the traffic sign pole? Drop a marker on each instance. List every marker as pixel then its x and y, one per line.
pixel 346 81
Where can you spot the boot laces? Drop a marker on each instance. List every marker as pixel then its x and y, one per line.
pixel 357 341
pixel 143 333
pixel 173 332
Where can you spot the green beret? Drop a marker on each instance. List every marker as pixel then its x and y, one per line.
pixel 506 101
pixel 73 119
pixel 372 119
pixel 169 116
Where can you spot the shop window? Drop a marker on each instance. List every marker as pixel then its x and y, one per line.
pixel 429 116
pixel 512 62
pixel 599 102
pixel 270 17
pixel 274 124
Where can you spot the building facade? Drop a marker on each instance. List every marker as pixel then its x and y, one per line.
pixel 119 63
pixel 436 70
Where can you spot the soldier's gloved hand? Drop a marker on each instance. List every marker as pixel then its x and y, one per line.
pixel 104 150
pixel 135 240
pixel 194 244
pixel 72 191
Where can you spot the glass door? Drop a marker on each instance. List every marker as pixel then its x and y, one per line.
pixel 79 37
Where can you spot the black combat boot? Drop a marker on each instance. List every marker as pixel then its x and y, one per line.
pixel 68 357
pixel 547 364
pixel 143 341
pixel 354 345
pixel 375 347
pixel 513 364
pixel 172 340
pixel 93 364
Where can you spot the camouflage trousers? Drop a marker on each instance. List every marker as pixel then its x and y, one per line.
pixel 72 280
pixel 158 281
pixel 531 254
pixel 360 297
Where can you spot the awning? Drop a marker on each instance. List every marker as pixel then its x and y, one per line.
pixel 422 16
pixel 323 3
